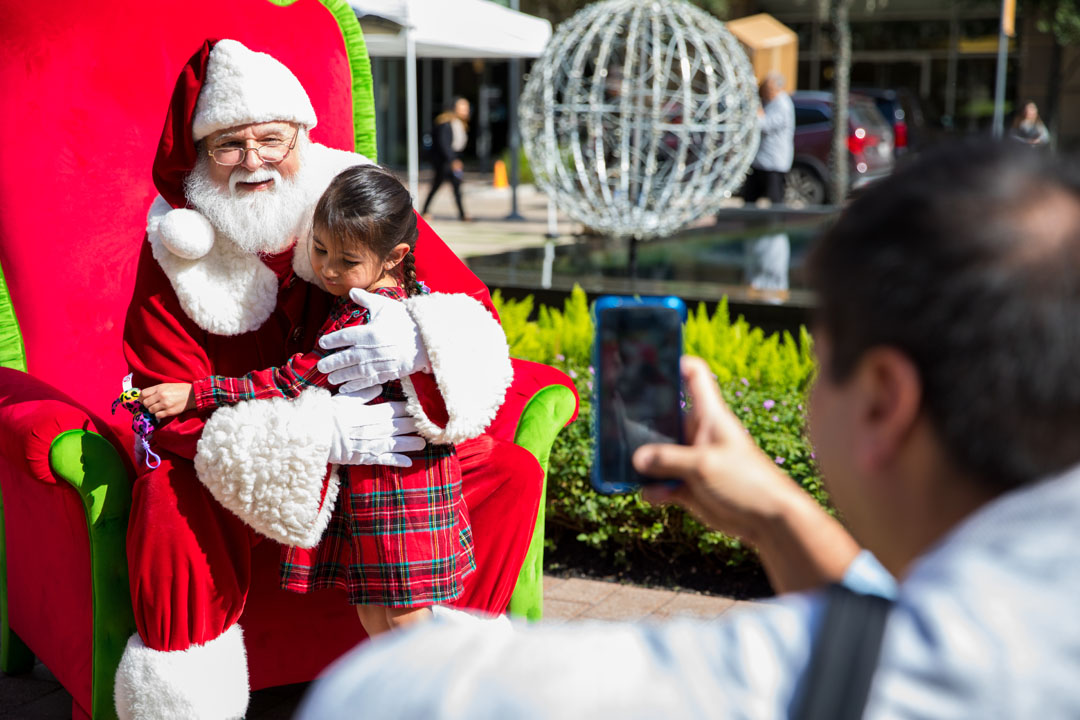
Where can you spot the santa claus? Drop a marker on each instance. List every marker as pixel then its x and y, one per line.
pixel 227 289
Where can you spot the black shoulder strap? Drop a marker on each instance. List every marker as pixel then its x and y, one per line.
pixel 836 685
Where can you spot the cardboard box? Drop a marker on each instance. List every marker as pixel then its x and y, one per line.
pixel 771 46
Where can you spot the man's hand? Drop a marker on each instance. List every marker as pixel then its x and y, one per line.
pixel 168 399
pixel 387 348
pixel 732 486
pixel 726 480
pixel 372 434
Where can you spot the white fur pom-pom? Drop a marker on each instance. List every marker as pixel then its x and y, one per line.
pixel 186 233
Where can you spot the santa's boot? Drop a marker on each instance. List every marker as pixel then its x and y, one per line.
pixel 202 682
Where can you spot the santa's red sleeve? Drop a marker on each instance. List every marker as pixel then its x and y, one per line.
pixel 162 345
pixel 266 461
pixel 470 368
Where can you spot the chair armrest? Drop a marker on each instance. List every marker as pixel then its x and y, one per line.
pixel 32 415
pixel 47 437
pixel 543 417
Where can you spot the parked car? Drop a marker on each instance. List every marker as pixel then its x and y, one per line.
pixel 870 146
pixel 903 111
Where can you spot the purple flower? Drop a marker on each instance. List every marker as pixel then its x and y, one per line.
pixel 560 357
pixel 776 418
pixel 800 407
pixel 745 382
pixel 592 370
pixel 768 404
pixel 745 409
pixel 738 393
pixel 813 456
pixel 571 373
pixel 779 460
pixel 589 384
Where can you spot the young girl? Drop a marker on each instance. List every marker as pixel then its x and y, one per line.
pixel 399 540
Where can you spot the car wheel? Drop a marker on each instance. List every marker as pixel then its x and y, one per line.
pixel 803 186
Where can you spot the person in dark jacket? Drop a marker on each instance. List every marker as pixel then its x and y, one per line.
pixel 449 139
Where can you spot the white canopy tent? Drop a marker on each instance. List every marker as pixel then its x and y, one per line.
pixel 445 29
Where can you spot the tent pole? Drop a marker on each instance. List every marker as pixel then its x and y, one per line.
pixel 412 133
pixel 515 136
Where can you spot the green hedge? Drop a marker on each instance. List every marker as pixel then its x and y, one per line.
pixel 763 378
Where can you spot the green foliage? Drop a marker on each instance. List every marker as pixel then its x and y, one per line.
pixel 764 380
pixel 1058 17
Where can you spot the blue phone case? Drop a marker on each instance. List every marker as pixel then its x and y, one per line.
pixel 607 302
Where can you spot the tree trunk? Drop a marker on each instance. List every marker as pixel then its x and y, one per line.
pixel 841 32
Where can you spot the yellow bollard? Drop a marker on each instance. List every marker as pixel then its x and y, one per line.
pixel 501 180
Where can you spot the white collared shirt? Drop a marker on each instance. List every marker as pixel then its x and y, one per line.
pixel 985 626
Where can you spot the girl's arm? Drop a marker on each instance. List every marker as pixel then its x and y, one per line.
pixel 297 374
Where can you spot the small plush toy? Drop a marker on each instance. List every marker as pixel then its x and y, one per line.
pixel 142 421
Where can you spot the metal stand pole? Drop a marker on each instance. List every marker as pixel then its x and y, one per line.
pixel 999 89
pixel 549 261
pixel 553 223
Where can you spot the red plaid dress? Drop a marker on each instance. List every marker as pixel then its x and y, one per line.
pixel 398 537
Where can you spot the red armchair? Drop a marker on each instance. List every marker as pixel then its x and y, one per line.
pixel 86 85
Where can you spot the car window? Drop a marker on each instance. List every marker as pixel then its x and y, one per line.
pixel 809 116
pixel 889 109
pixel 863 113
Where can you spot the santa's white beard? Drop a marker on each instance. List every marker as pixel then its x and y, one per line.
pixel 266 221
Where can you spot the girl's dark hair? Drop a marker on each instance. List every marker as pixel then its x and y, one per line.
pixel 367 206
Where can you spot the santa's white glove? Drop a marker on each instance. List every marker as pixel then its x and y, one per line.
pixel 372 434
pixel 387 348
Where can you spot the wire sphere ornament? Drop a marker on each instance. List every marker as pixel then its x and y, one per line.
pixel 640 117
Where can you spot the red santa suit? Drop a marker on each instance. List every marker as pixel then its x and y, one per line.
pixel 259 469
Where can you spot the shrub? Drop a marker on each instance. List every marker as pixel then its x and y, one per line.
pixel 763 379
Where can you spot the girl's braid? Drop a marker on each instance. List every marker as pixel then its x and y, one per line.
pixel 408 269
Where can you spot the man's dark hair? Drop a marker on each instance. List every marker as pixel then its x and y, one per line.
pixel 968 262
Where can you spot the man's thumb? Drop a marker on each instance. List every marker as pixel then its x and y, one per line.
pixel 666 461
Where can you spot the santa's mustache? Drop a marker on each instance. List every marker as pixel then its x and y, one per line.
pixel 263 174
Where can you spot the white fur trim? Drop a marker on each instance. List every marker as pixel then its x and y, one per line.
pixel 243 87
pixel 186 233
pixel 471 362
pixel 265 460
pixel 226 292
pixel 322 165
pixel 203 682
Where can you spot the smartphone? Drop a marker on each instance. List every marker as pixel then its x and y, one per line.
pixel 637 388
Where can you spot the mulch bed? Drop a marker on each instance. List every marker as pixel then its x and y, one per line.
pixel 574 559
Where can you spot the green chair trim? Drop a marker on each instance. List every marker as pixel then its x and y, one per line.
pixel 90 464
pixel 12 349
pixel 544 416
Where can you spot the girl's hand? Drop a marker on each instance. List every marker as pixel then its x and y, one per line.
pixel 168 399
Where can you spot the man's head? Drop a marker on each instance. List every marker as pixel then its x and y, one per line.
pixel 260 201
pixel 949 326
pixel 249 119
pixel 771 86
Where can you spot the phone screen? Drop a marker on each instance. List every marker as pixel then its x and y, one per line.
pixel 638 355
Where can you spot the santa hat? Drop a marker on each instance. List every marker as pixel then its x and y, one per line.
pixel 223 85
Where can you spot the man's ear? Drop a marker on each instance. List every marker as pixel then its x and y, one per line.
pixel 396 256
pixel 889 396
